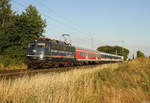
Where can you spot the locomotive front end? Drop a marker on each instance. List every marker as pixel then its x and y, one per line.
pixel 37 53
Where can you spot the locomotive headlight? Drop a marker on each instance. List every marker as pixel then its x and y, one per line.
pixel 34 51
pixel 41 55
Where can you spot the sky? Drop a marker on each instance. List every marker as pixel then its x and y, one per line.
pixel 93 23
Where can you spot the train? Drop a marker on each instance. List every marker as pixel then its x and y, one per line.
pixel 46 52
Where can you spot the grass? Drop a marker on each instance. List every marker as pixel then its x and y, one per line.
pixel 127 82
pixel 13 66
pixel 9 63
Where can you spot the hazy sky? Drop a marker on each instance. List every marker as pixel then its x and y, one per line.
pixel 93 23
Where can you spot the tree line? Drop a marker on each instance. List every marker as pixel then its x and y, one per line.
pixel 118 50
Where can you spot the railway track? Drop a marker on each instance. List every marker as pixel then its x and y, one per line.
pixel 14 74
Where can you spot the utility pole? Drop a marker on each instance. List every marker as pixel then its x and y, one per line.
pixel 116 52
pixel 133 56
pixel 92 43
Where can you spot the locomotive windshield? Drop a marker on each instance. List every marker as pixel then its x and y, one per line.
pixel 31 45
pixel 41 45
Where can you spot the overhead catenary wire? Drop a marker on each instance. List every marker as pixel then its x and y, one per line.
pixel 74 26
pixel 52 18
pixel 48 17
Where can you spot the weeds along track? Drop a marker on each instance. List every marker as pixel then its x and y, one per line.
pixel 14 74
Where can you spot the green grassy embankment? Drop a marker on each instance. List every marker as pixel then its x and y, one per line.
pixel 127 82
pixel 7 63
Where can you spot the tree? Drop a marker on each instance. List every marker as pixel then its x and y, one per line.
pixel 140 54
pixel 17 30
pixel 117 50
pixel 30 26
pixel 20 31
pixel 6 15
pixel 5 12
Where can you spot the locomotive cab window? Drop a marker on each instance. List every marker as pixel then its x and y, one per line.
pixel 31 45
pixel 41 45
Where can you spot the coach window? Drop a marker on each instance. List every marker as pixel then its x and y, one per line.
pixel 101 56
pixel 111 57
pixel 104 56
pixel 107 56
pixel 89 55
pixel 81 54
